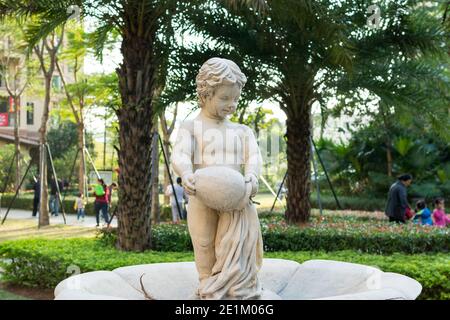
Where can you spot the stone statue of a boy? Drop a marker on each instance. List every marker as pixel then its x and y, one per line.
pixel 227 245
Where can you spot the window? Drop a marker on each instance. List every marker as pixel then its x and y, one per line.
pixel 30 113
pixel 4 105
pixel 7 112
pixel 4 112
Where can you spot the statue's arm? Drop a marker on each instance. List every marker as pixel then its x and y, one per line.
pixel 183 150
pixel 252 155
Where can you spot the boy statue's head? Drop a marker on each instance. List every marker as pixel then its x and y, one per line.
pixel 219 85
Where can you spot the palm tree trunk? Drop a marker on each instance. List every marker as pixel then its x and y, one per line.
pixel 136 84
pixel 299 163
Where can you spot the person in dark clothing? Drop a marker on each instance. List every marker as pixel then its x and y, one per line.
pixel 37 196
pixel 397 202
pixel 54 200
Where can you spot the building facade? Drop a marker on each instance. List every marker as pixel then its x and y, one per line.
pixel 31 108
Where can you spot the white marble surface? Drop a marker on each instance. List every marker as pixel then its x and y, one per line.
pixel 281 279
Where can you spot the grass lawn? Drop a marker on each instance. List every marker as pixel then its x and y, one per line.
pixel 5 295
pixel 266 201
pixel 15 229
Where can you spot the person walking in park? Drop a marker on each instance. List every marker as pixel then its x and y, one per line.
pixel 80 204
pixel 440 218
pixel 37 196
pixel 54 196
pixel 397 202
pixel 179 193
pixel 101 193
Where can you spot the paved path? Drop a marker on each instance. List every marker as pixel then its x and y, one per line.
pixel 71 219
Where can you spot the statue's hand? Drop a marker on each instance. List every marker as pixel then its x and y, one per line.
pixel 253 180
pixel 188 181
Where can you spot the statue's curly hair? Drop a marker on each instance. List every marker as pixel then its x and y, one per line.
pixel 217 71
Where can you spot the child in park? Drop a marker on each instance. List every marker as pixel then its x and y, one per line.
pixel 80 204
pixel 423 214
pixel 439 216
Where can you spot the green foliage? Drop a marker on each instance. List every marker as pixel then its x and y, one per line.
pixel 168 237
pixel 6 155
pixel 360 167
pixel 355 202
pixel 44 263
pixel 403 145
pixel 62 138
pixel 348 233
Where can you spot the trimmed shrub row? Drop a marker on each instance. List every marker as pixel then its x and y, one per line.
pixel 349 203
pixel 381 238
pixel 44 263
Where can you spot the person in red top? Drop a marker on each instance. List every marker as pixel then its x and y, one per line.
pixel 101 193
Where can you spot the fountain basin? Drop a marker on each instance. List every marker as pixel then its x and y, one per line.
pixel 281 279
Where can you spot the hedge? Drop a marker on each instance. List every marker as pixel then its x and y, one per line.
pixel 381 237
pixel 334 233
pixel 349 203
pixel 44 263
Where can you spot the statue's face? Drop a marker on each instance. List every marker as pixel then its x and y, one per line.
pixel 223 102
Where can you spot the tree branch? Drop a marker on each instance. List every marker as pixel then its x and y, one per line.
pixel 66 90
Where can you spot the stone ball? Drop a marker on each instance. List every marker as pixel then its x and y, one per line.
pixel 220 188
